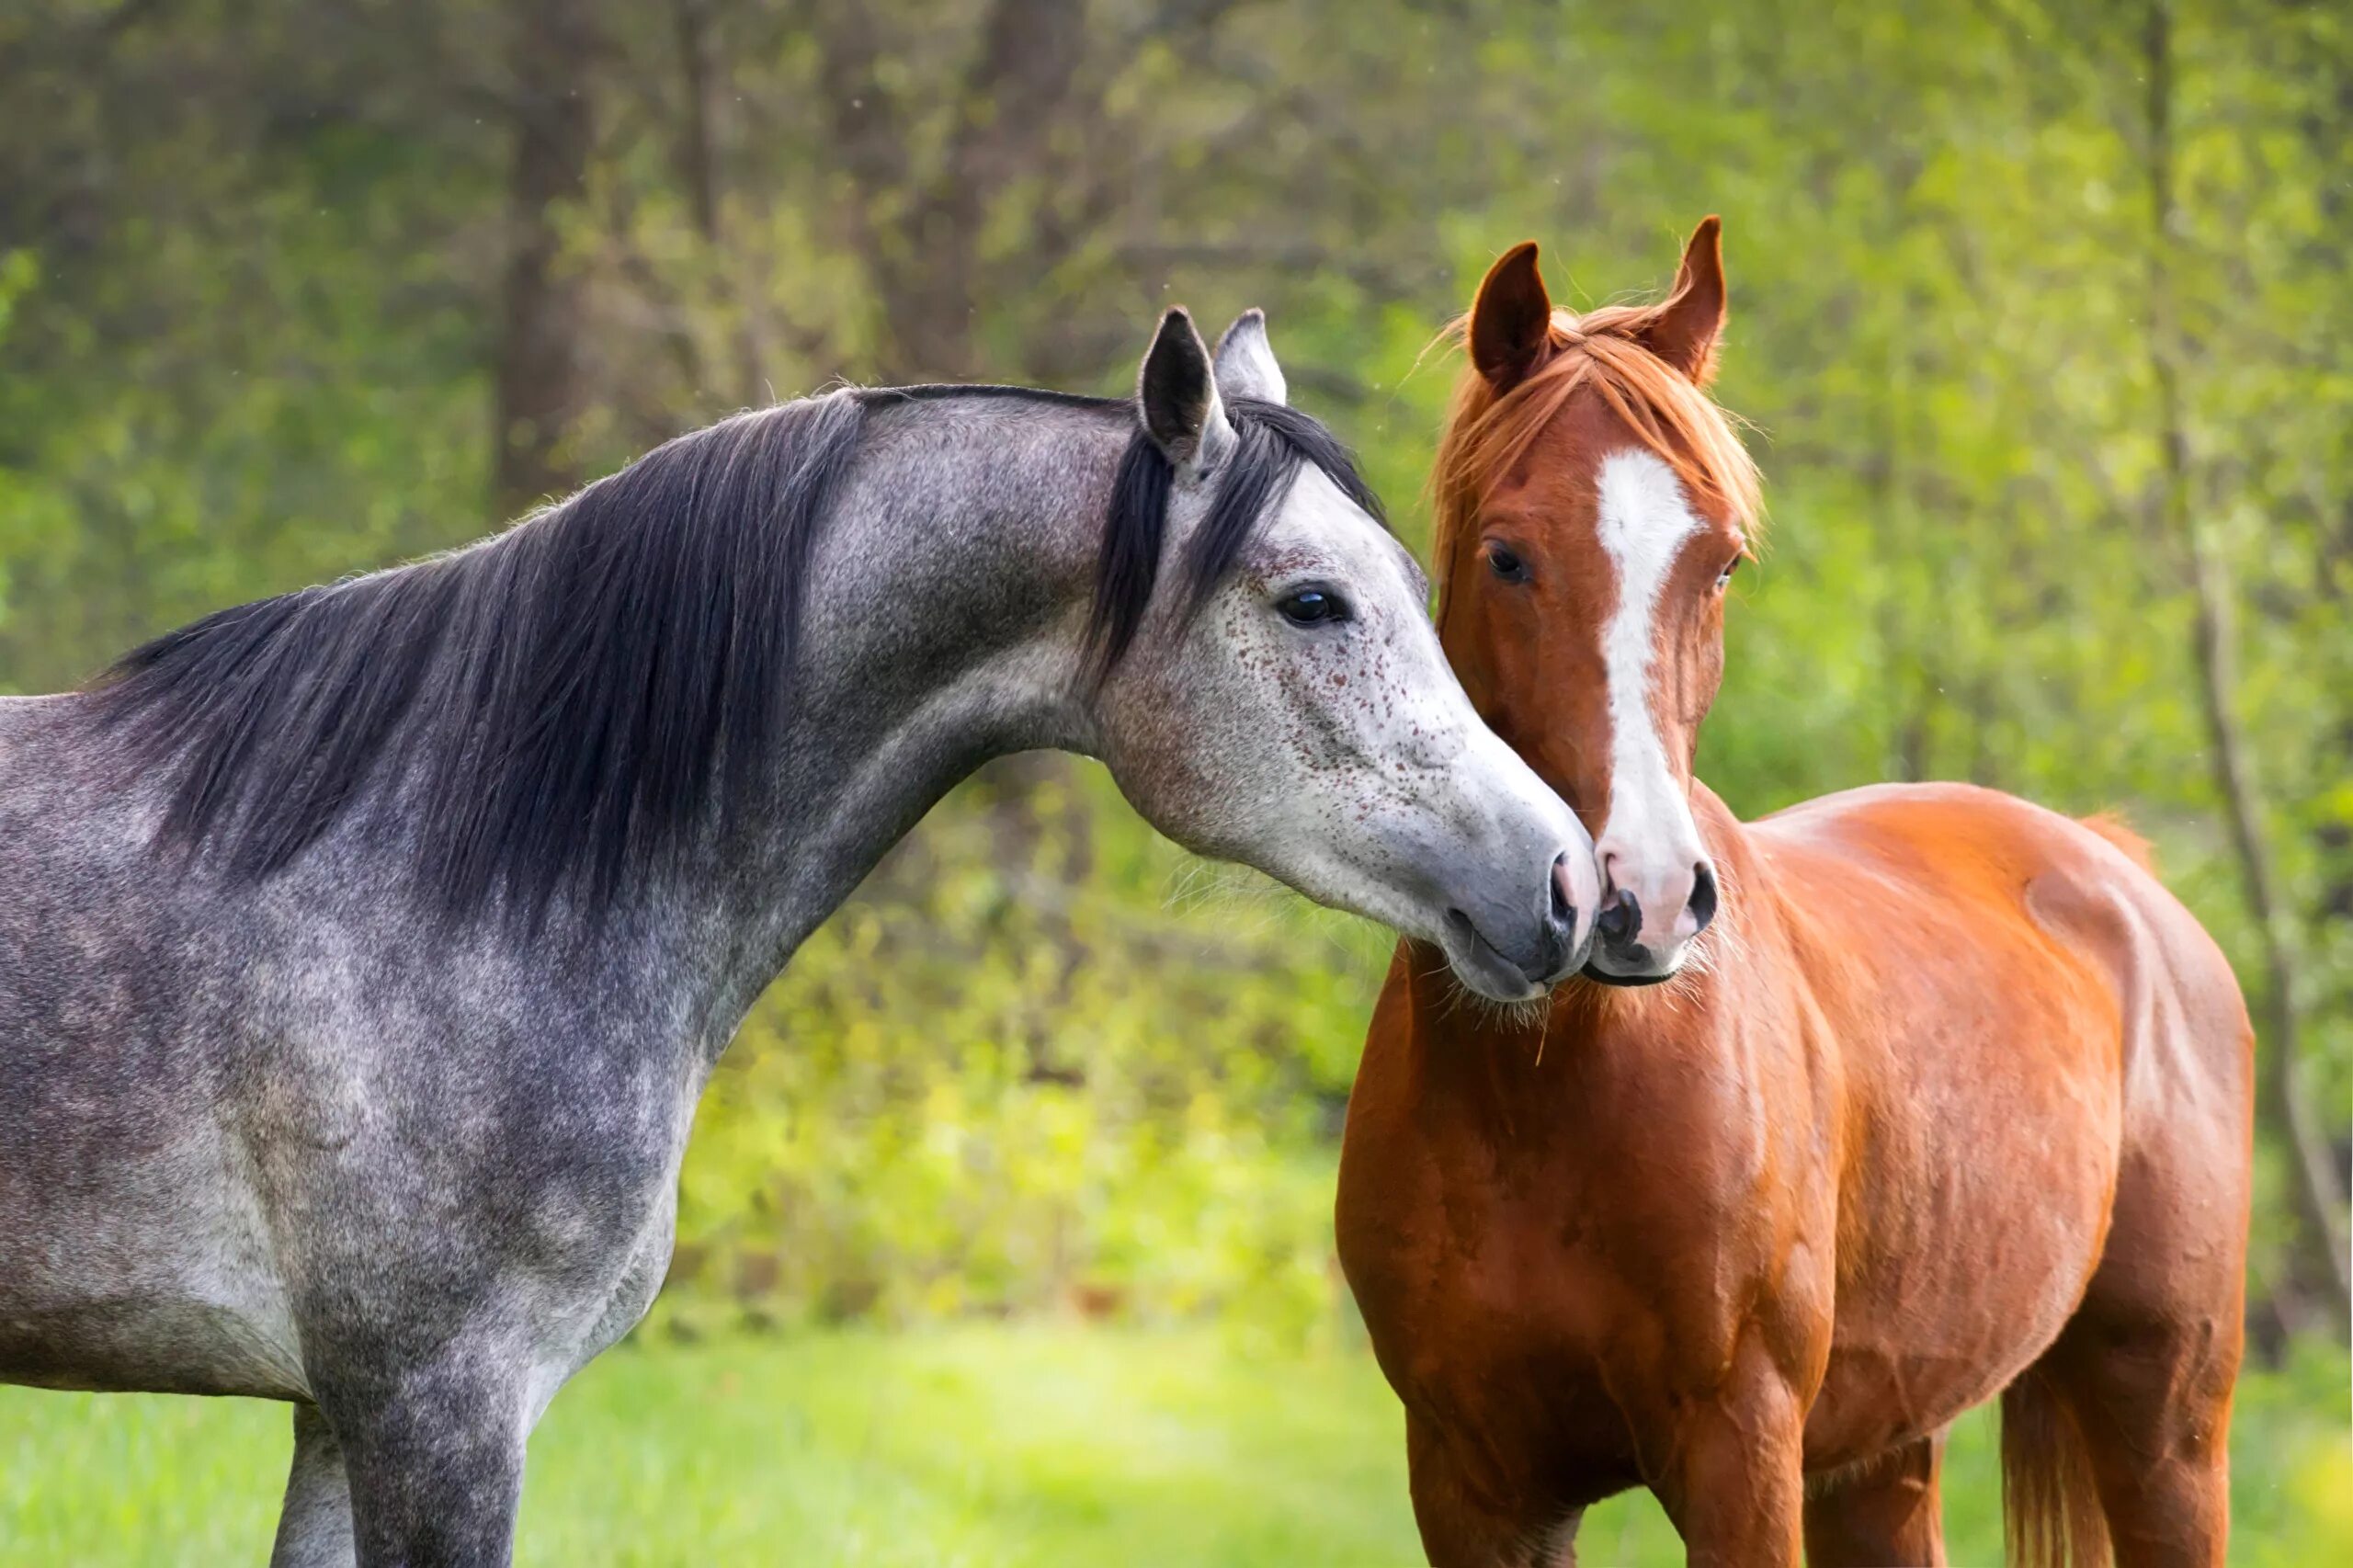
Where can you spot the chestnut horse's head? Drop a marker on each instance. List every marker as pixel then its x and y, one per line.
pixel 1592 503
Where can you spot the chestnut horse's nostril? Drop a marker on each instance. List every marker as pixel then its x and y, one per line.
pixel 1619 920
pixel 1703 896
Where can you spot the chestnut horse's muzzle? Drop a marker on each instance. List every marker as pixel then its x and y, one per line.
pixel 1619 955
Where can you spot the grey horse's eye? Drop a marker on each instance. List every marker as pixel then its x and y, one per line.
pixel 1313 607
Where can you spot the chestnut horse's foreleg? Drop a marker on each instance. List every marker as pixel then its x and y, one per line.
pixel 1884 1514
pixel 1468 1522
pixel 1732 1478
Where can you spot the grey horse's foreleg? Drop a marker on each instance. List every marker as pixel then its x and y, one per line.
pixel 432 1454
pixel 314 1528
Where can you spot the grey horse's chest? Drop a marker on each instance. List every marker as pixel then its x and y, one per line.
pixel 531 1163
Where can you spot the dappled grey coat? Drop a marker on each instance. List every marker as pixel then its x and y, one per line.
pixel 363 951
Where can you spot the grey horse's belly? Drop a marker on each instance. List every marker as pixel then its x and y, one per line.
pixel 148 1345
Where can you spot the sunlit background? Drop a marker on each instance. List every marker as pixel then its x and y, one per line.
pixel 1005 1233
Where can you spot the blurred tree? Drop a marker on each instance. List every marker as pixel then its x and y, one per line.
pixel 550 46
pixel 2284 1103
pixel 2038 309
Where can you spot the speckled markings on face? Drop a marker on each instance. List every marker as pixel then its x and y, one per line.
pixel 1348 763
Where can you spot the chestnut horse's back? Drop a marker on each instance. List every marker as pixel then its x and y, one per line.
pixel 2053 924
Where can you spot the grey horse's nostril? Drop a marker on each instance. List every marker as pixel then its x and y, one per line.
pixel 1703 897
pixel 1563 912
pixel 1620 919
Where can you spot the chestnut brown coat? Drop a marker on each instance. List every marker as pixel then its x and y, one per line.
pixel 1951 1097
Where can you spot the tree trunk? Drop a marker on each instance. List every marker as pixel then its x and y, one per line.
pixel 2282 1104
pixel 920 232
pixel 539 395
pixel 703 67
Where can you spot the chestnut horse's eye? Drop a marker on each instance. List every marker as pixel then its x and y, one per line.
pixel 1311 607
pixel 1723 578
pixel 1506 566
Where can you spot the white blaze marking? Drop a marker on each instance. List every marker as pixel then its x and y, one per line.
pixel 1645 522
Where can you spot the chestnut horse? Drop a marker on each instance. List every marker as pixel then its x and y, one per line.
pixel 1859 1114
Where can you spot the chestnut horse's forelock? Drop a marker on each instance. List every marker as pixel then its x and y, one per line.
pixel 1486 433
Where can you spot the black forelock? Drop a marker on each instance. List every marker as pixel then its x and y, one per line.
pixel 1272 440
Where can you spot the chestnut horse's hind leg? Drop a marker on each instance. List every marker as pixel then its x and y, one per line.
pixel 1884 1514
pixel 2147 1366
pixel 315 1527
pixel 2152 1400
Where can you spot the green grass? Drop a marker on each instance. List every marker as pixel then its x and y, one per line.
pixel 992 1447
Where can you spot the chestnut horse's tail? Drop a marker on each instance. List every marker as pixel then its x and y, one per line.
pixel 2050 1511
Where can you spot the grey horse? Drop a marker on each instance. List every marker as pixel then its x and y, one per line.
pixel 363 951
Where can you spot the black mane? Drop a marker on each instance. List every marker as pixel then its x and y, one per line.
pixel 578 694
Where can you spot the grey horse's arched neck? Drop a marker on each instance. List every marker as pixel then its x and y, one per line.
pixel 942 565
pixel 950 612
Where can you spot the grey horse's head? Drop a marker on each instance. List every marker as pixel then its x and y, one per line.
pixel 1293 711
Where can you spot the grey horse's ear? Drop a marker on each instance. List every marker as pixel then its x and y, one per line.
pixel 1245 361
pixel 1176 395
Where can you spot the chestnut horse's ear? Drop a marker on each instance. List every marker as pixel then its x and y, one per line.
pixel 1511 321
pixel 1684 330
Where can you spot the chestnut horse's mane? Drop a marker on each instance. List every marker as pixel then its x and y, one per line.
pixel 1485 433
